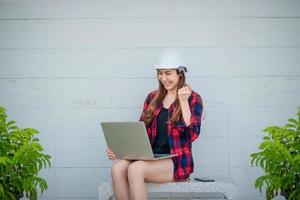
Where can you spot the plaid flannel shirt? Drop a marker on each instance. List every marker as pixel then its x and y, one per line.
pixel 180 136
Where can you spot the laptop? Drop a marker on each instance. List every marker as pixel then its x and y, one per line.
pixel 129 140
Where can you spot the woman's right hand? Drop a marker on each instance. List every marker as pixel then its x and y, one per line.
pixel 110 155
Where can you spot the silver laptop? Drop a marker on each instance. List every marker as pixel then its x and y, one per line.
pixel 129 140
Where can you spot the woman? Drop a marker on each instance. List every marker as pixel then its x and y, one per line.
pixel 172 115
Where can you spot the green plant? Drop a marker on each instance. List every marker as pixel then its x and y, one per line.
pixel 279 156
pixel 21 158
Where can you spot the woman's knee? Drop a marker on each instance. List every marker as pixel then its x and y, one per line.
pixel 136 170
pixel 119 168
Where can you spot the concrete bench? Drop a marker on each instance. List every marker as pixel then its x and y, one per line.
pixel 181 190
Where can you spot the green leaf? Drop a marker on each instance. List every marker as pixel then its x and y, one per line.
pixel 293 121
pixel 265 144
pixel 10 196
pixel 2 193
pixel 12 128
pixel 266 138
pixel 40 164
pixel 291 126
pixel 270 129
pixel 31 131
pixel 262 163
pixel 10 123
pixel 35 140
pixel 5 160
pixel 260 182
pixel 253 158
pixel 48 160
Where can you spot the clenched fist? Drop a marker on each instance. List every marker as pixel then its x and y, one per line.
pixel 184 93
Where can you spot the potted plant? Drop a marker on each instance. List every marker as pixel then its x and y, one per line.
pixel 279 156
pixel 21 158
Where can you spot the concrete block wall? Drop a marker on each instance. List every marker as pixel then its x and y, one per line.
pixel 67 65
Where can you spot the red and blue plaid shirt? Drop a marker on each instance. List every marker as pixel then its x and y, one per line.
pixel 180 136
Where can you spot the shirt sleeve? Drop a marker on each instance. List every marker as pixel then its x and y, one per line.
pixel 146 105
pixel 196 108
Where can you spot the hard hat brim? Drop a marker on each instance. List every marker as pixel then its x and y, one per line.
pixel 165 67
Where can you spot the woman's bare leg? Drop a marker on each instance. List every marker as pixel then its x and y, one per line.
pixel 120 179
pixel 158 171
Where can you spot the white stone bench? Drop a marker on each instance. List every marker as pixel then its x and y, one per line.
pixel 182 190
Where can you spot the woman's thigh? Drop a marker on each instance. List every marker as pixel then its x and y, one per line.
pixel 159 171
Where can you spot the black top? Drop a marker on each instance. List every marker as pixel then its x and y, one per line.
pixel 161 144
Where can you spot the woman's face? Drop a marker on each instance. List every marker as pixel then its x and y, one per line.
pixel 169 78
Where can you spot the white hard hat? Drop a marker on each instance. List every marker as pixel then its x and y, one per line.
pixel 170 59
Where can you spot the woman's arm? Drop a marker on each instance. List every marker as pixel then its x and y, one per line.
pixel 186 112
pixel 191 112
pixel 183 96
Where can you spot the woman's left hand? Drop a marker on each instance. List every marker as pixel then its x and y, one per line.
pixel 184 93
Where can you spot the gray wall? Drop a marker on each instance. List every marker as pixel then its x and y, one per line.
pixel 67 65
